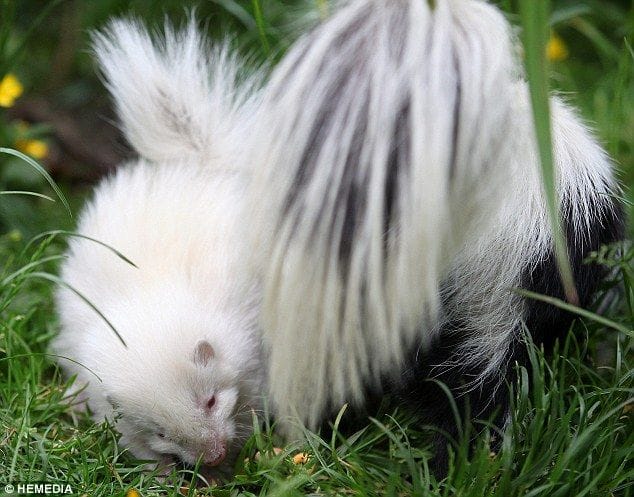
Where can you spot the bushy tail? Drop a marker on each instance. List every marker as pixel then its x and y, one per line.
pixel 378 129
pixel 175 95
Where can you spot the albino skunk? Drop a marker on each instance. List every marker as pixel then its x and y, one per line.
pixel 191 373
pixel 398 203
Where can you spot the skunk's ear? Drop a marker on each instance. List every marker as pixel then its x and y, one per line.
pixel 203 353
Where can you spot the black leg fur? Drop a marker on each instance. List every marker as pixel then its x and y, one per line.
pixel 490 401
pixel 418 389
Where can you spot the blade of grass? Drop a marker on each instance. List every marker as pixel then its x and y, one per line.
pixel 78 235
pixel 42 171
pixel 596 37
pixel 535 21
pixel 238 12
pixel 59 281
pixel 28 398
pixel 575 310
pixel 259 20
pixel 569 12
pixel 27 267
pixel 31 194
pixel 56 356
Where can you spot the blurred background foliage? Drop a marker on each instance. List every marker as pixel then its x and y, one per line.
pixel 62 116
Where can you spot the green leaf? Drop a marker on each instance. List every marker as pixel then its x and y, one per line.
pixel 31 162
pixel 238 12
pixel 535 21
pixel 31 194
pixel 259 20
pixel 576 310
pixel 79 235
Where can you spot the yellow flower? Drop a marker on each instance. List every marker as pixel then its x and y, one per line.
pixel 556 49
pixel 132 493
pixel 300 458
pixel 10 89
pixel 35 148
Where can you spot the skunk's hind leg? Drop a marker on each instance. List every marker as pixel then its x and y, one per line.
pixel 419 388
pixel 447 396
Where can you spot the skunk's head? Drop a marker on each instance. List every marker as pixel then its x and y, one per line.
pixel 186 409
pixel 184 388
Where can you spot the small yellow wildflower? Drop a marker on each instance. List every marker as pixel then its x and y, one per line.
pixel 132 493
pixel 556 49
pixel 10 89
pixel 35 148
pixel 300 458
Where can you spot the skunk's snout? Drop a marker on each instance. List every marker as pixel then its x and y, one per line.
pixel 216 455
pixel 211 455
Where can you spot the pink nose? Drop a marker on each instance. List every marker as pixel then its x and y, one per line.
pixel 215 456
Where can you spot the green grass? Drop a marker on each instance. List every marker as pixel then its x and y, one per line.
pixel 571 432
pixel 572 429
pixel 535 28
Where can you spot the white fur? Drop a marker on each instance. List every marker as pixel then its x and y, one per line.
pixel 469 212
pixel 176 95
pixel 175 213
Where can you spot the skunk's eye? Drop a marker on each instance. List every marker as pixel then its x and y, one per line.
pixel 211 402
pixel 160 435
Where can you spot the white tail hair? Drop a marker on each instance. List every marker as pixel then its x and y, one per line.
pixel 176 96
pixel 379 120
pixel 392 138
